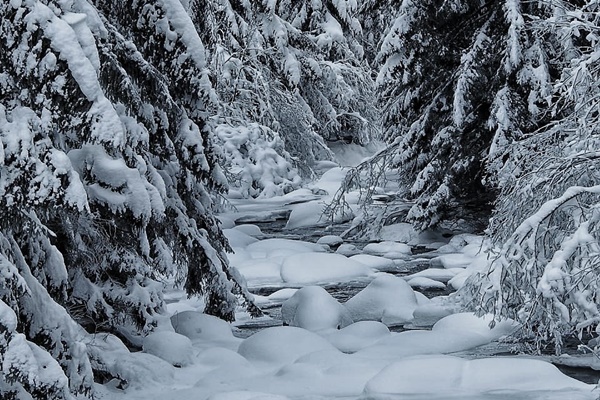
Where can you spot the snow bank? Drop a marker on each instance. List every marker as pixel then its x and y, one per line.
pixel 172 347
pixel 375 262
pixel 437 274
pixel 281 247
pixel 246 395
pixel 314 309
pixel 456 376
pixel 388 249
pixel 321 267
pixel 137 370
pixel 250 229
pixel 196 325
pixel 358 336
pixel 387 299
pixel 238 238
pixel 330 240
pixel 311 214
pixel 481 325
pixel 275 347
pixel 425 283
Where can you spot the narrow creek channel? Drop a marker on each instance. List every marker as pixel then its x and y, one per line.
pixel 344 291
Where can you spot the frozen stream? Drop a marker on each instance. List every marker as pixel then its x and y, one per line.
pixel 373 320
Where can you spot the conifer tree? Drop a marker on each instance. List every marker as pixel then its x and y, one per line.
pixel 543 271
pixel 459 80
pixel 107 177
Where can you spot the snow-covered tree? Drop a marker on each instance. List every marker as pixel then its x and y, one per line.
pixel 290 74
pixel 459 80
pixel 544 272
pixel 107 176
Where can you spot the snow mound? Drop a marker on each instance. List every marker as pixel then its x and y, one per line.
pixel 135 369
pixel 437 274
pixel 281 247
pixel 383 248
pixel 347 250
pixel 237 238
pixel 314 309
pixel 278 346
pixel 195 325
pixel 258 271
pixel 330 240
pixel 282 294
pixel 321 267
pixel 375 262
pixel 246 395
pixel 402 232
pixel 358 336
pixel 250 229
pixel 226 222
pixel 454 260
pixel 387 299
pixel 311 214
pixel 429 314
pixel 172 347
pixel 425 283
pixel 472 323
pixel 447 374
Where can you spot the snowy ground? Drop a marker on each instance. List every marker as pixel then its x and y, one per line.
pixel 329 349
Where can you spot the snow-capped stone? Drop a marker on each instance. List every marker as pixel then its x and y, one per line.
pixel 172 347
pixel 274 347
pixel 314 309
pixel 387 298
pixel 196 325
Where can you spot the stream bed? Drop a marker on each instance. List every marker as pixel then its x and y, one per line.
pixel 344 291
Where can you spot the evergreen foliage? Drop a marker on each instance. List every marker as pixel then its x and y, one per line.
pixel 459 80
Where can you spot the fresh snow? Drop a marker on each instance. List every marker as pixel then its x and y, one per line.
pixel 331 349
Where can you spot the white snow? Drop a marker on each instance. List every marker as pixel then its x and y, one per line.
pixel 330 240
pixel 358 336
pixel 323 354
pixel 459 377
pixel 425 283
pixel 196 325
pixel 387 299
pixel 375 262
pixel 321 267
pixel 314 309
pixel 276 347
pixel 383 248
pixel 172 347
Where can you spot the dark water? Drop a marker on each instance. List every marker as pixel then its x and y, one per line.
pixel 344 291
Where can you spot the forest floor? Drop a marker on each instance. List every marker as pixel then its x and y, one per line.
pixel 367 320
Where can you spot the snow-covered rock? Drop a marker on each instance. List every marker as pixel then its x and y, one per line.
pixel 387 298
pixel 383 248
pixel 314 309
pixel 347 250
pixel 464 378
pixel 429 314
pixel 195 325
pixel 358 336
pixel 269 248
pixel 321 267
pixel 330 240
pixel 437 274
pixel 275 347
pixel 375 262
pixel 172 347
pixel 237 238
pixel 250 229
pixel 425 283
